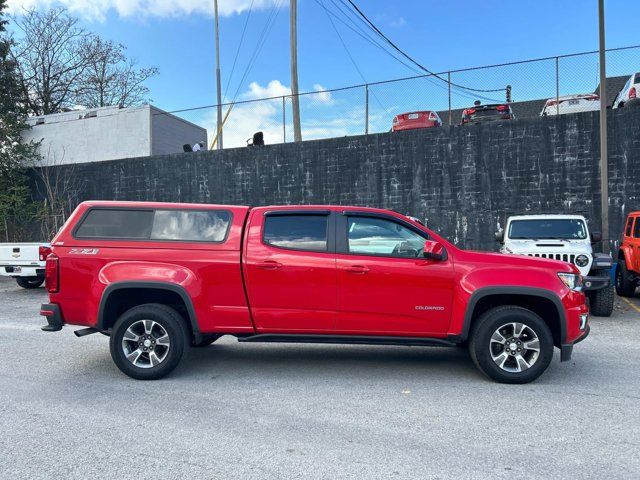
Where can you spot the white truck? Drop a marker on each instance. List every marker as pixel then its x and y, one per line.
pixel 565 238
pixel 25 262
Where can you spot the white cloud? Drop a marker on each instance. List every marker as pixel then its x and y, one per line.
pixel 97 9
pixel 323 96
pixel 400 22
pixel 273 89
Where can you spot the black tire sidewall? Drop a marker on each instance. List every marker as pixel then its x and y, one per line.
pixel 170 320
pixel 30 282
pixel 626 288
pixel 489 323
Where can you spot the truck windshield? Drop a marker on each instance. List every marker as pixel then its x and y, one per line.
pixel 564 229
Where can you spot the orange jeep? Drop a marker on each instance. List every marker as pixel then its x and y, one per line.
pixel 628 271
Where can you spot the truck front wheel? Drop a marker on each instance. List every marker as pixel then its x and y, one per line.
pixel 601 302
pixel 511 344
pixel 625 286
pixel 148 341
pixel 30 282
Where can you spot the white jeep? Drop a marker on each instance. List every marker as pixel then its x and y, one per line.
pixel 565 238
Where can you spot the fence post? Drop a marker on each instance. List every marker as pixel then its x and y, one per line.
pixel 284 119
pixel 449 88
pixel 558 85
pixel 366 109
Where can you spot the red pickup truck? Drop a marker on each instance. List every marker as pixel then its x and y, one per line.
pixel 159 277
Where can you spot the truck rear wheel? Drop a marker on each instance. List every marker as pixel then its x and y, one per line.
pixel 30 282
pixel 601 302
pixel 148 341
pixel 511 344
pixel 625 287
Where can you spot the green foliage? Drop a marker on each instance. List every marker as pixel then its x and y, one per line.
pixel 16 155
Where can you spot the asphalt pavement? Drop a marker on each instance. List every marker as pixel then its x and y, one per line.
pixel 270 411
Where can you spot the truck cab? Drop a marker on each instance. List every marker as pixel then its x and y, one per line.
pixel 566 238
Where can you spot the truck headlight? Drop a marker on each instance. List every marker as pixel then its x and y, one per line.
pixel 582 261
pixel 571 280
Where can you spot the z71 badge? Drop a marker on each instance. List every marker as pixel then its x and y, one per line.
pixel 83 251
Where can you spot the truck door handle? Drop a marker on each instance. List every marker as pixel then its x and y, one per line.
pixel 268 265
pixel 361 269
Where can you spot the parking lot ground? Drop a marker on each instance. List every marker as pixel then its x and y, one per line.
pixel 312 411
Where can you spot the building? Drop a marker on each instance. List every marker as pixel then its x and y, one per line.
pixel 110 133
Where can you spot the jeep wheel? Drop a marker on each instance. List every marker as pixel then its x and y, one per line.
pixel 30 282
pixel 625 287
pixel 601 302
pixel 511 344
pixel 148 341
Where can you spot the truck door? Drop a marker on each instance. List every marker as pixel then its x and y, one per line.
pixel 290 268
pixel 635 245
pixel 385 285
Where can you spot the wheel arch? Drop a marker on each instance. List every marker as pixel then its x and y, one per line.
pixel 543 302
pixel 121 296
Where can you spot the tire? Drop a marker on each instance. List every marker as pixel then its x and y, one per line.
pixel 625 287
pixel 30 282
pixel 507 321
pixel 157 332
pixel 601 302
pixel 206 341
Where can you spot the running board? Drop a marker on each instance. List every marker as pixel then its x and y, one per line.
pixel 349 340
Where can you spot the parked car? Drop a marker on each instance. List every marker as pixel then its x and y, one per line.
pixel 583 102
pixel 157 277
pixel 566 238
pixel 628 96
pixel 25 262
pixel 628 269
pixel 487 113
pixel 416 120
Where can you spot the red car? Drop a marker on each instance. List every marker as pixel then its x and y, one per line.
pixel 415 120
pixel 158 277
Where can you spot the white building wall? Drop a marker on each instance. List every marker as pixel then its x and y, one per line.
pixel 110 133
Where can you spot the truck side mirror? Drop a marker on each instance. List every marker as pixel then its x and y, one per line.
pixel 596 237
pixel 500 236
pixel 434 251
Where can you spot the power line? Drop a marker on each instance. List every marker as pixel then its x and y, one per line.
pixel 235 59
pixel 404 54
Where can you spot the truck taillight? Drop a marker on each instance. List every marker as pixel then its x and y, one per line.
pixel 469 111
pixel 43 253
pixel 502 108
pixel 52 274
pixel 632 93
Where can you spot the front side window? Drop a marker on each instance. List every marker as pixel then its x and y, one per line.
pixel 193 225
pixel 561 229
pixel 297 232
pixel 636 229
pixel 376 236
pixel 627 230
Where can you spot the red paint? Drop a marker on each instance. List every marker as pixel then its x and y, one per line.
pixel 244 285
pixel 416 120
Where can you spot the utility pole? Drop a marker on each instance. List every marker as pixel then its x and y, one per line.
pixel 604 166
pixel 295 101
pixel 219 126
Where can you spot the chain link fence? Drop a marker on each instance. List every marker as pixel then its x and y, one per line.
pixel 370 108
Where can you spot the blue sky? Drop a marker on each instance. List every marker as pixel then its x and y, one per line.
pixel 177 36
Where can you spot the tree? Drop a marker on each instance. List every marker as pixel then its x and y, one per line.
pixel 112 78
pixel 15 154
pixel 62 65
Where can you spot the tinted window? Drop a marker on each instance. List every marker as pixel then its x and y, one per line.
pixel 567 229
pixel 636 229
pixel 376 236
pixel 125 224
pixel 193 225
pixel 299 232
pixel 637 80
pixel 627 230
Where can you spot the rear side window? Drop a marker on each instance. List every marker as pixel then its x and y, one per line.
pixel 123 224
pixel 627 230
pixel 164 225
pixel 636 229
pixel 297 232
pixel 195 226
pixel 637 80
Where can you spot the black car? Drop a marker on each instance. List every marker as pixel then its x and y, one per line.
pixel 487 113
